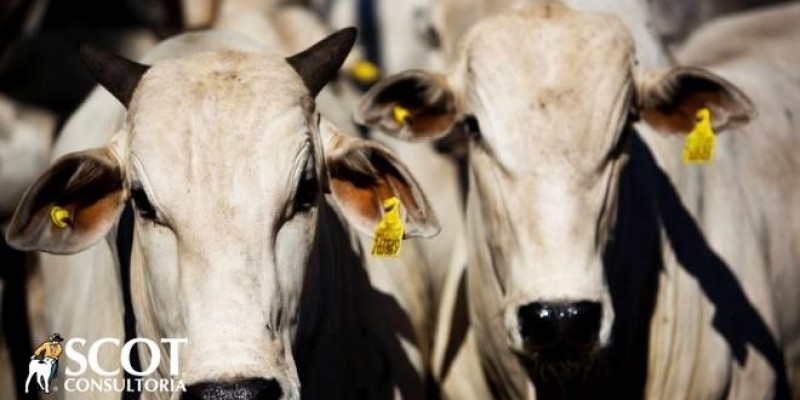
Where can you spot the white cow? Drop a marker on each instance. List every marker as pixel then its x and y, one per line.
pixel 453 351
pixel 599 264
pixel 235 246
pixel 40 369
pixel 406 280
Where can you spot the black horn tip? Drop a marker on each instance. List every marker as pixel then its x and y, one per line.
pixel 118 75
pixel 347 36
pixel 318 64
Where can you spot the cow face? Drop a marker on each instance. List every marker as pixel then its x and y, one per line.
pixel 227 165
pixel 546 97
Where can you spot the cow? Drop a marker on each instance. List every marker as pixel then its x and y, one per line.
pixel 246 206
pixel 453 358
pixel 407 279
pixel 601 266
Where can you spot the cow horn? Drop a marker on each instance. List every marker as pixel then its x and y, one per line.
pixel 118 75
pixel 318 64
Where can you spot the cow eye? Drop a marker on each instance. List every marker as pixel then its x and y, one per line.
pixel 306 196
pixel 472 126
pixel 141 203
pixel 431 37
pixel 425 29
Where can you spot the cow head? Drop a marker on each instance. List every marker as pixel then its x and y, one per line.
pixel 227 165
pixel 546 98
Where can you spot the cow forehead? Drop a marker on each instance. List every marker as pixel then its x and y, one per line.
pixel 218 128
pixel 548 82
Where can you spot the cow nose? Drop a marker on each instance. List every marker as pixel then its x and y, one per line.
pixel 247 389
pixel 575 326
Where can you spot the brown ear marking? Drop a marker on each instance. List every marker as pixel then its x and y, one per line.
pixel 320 63
pixel 87 217
pixel 118 75
pixel 671 106
pixel 368 188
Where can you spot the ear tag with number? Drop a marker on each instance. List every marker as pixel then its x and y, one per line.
pixel 59 217
pixel 389 233
pixel 699 148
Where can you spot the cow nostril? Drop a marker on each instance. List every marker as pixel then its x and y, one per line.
pixel 538 324
pixel 568 326
pixel 246 389
pixel 582 323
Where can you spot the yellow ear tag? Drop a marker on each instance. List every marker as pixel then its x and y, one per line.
pixel 389 233
pixel 401 114
pixel 365 72
pixel 59 217
pixel 699 148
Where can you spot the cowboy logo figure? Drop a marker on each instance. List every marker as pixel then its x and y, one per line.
pixel 44 363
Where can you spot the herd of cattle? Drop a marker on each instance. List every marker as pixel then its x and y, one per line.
pixel 225 185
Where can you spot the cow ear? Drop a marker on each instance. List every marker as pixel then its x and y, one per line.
pixel 72 206
pixel 363 174
pixel 669 102
pixel 411 105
